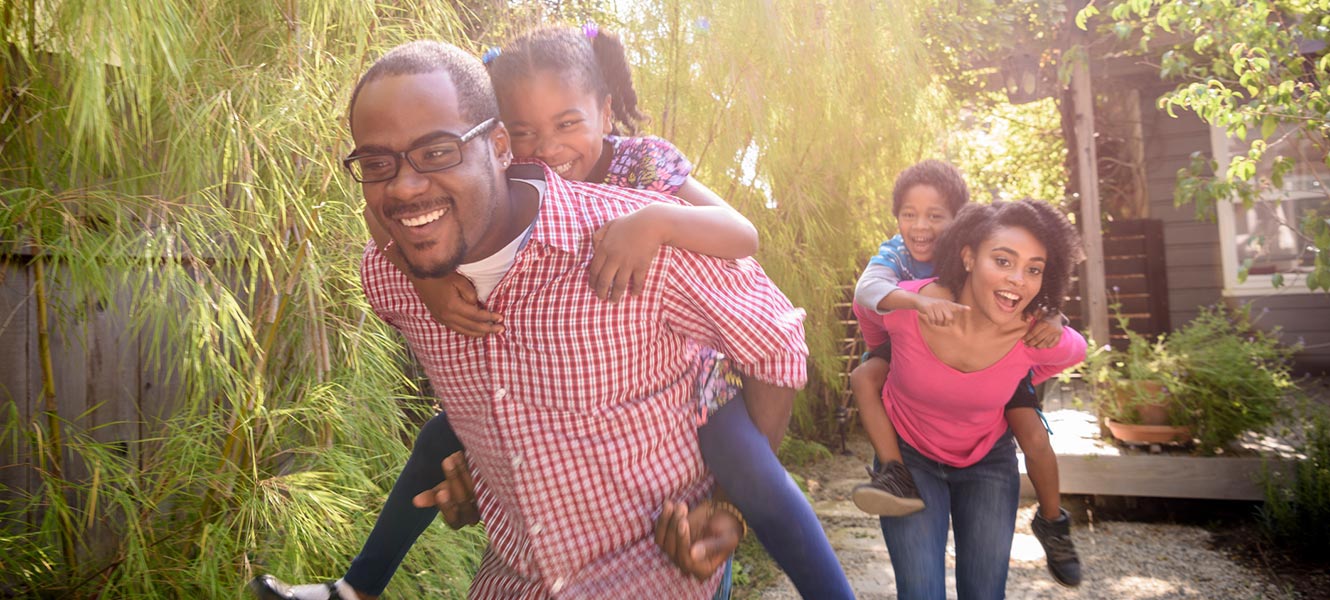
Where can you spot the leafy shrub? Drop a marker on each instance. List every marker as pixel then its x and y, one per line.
pixel 1297 511
pixel 1235 375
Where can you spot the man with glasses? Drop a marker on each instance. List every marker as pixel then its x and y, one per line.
pixel 577 417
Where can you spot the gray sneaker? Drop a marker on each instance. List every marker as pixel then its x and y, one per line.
pixel 890 491
pixel 1055 537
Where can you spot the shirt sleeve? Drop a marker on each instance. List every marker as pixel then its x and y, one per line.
pixel 1069 352
pixel 651 163
pixel 874 284
pixel 732 306
pixel 376 275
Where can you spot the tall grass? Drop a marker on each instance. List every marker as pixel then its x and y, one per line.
pixel 187 152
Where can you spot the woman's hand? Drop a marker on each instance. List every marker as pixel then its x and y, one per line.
pixel 623 251
pixel 453 303
pixel 938 312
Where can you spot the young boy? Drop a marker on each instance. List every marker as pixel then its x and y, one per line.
pixel 925 199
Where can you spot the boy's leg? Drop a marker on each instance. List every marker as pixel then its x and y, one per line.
pixel 891 490
pixel 1051 525
pixel 740 458
pixel 1040 462
pixel 866 382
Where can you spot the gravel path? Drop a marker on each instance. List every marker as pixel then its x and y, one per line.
pixel 1122 559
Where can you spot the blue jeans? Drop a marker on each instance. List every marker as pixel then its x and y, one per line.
pixel 400 522
pixel 980 501
pixel 740 458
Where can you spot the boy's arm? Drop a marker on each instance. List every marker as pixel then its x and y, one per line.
pixel 874 285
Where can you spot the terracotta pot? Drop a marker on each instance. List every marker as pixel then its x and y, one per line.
pixel 1152 413
pixel 1148 434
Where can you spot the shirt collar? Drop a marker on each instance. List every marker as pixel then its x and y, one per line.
pixel 559 221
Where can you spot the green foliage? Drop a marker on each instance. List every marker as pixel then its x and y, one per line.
pixel 795 452
pixel 799 114
pixel 1220 375
pixel 1297 511
pixel 1236 375
pixel 177 163
pixel 1251 68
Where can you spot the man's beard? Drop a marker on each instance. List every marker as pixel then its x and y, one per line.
pixel 447 267
pixel 440 270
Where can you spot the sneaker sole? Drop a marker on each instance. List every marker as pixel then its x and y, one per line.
pixel 877 502
pixel 1061 581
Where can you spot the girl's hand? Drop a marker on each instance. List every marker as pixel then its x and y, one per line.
pixel 623 251
pixel 453 303
pixel 938 312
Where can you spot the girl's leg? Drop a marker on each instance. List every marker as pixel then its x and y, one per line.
pixel 984 497
pixel 917 543
pixel 400 522
pixel 741 459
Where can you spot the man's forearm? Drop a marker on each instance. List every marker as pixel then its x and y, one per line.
pixel 770 407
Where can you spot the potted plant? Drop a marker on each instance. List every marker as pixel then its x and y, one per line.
pixel 1136 388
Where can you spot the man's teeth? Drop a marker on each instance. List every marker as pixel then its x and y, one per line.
pixel 428 217
pixel 563 168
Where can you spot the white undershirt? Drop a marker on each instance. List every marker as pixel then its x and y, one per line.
pixel 486 273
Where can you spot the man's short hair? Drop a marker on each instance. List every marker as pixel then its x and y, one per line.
pixel 475 94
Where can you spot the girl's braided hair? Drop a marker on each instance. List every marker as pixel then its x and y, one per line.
pixel 595 56
pixel 976 222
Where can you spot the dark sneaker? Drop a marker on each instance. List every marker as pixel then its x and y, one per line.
pixel 890 491
pixel 1055 537
pixel 267 587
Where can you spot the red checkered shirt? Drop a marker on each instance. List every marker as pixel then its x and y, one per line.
pixel 578 420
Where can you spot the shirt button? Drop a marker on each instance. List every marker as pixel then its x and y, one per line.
pixel 536 529
pixel 517 460
pixel 558 585
pixel 500 393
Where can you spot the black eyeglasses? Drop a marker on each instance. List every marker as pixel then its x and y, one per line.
pixel 436 156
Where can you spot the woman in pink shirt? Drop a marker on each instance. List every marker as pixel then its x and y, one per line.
pixel 948 387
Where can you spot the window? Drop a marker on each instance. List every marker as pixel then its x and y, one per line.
pixel 1265 237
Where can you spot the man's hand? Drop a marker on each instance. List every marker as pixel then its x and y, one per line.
pixel 938 312
pixel 1045 331
pixel 453 303
pixel 697 541
pixel 456 496
pixel 623 251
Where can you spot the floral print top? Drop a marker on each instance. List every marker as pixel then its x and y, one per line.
pixel 647 163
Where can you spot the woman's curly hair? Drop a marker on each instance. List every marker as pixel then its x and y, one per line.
pixel 976 222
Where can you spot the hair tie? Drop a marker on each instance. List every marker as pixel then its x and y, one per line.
pixel 491 54
pixel 590 30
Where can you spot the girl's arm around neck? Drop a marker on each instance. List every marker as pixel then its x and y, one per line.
pixel 709 226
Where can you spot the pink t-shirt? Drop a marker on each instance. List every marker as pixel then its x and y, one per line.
pixel 948 415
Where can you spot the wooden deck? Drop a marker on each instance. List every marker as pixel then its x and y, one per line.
pixel 1090 465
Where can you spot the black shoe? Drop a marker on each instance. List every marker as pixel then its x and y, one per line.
pixel 1055 537
pixel 890 491
pixel 267 587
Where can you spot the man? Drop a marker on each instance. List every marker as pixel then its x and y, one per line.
pixel 577 417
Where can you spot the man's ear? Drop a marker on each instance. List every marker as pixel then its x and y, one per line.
pixel 502 145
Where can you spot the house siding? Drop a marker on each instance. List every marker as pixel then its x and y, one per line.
pixel 1192 248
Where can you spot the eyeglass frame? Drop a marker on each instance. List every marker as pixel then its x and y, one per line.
pixel 405 155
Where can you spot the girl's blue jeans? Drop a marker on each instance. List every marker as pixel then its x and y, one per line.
pixel 740 458
pixel 980 502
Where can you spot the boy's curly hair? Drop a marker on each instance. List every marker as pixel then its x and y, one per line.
pixel 942 176
pixel 976 222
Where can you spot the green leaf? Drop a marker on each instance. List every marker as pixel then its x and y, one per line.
pixel 1084 15
pixel 1277 280
pixel 1268 125
pixel 1243 269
